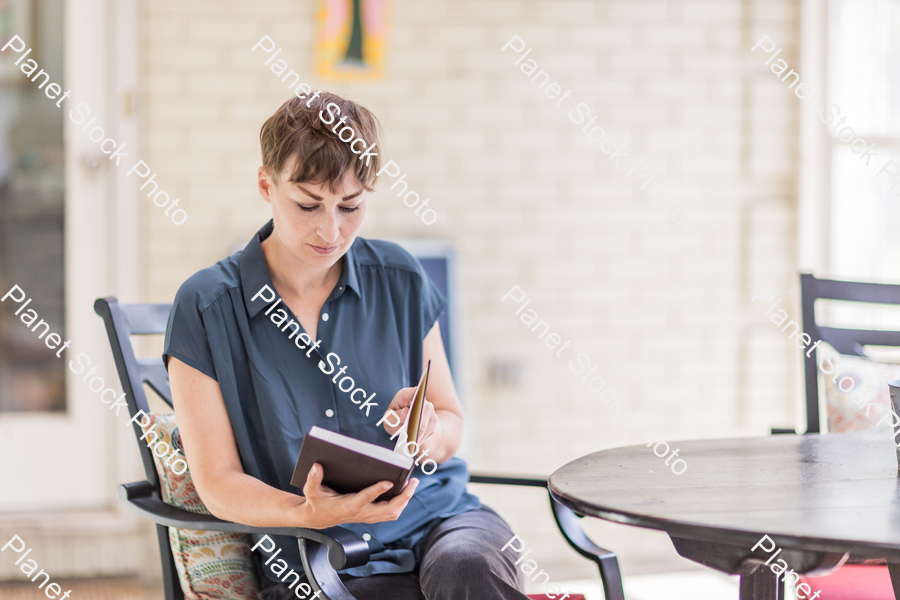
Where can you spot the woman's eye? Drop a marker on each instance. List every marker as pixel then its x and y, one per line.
pixel 306 208
pixel 349 209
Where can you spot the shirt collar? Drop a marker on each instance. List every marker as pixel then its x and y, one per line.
pixel 348 278
pixel 255 273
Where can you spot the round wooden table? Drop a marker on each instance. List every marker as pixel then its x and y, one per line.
pixel 818 497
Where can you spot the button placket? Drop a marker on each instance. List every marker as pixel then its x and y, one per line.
pixel 330 413
pixel 323 330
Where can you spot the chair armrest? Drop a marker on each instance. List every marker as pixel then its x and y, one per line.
pixel 536 481
pixel 606 560
pixel 782 431
pixel 570 527
pixel 565 518
pixel 345 548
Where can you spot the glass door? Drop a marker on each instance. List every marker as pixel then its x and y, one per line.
pixel 32 216
pixel 60 231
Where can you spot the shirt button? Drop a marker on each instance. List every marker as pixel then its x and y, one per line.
pixel 367 537
pixel 324 316
pixel 329 413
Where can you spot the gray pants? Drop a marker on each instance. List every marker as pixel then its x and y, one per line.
pixel 460 560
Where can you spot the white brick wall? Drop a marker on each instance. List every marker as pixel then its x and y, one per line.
pixel 663 309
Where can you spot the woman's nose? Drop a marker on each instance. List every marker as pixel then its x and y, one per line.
pixel 328 229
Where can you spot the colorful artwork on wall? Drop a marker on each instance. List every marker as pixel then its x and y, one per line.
pixel 15 19
pixel 350 39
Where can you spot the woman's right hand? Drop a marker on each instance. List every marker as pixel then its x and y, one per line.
pixel 325 508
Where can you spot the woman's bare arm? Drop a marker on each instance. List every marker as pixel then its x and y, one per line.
pixel 231 494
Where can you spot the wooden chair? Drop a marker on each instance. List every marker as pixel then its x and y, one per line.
pixel 845 341
pixel 324 551
pixel 852 581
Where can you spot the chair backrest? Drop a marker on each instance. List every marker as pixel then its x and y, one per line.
pixel 440 261
pixel 845 341
pixel 123 321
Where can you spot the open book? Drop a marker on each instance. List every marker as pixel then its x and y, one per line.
pixel 352 465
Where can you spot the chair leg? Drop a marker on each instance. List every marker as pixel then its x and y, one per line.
pixel 894 570
pixel 322 576
pixel 171 582
pixel 613 588
pixel 607 561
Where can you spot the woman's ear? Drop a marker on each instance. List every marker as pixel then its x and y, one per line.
pixel 265 184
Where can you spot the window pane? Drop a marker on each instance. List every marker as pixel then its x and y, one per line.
pixel 864 81
pixel 864 65
pixel 865 219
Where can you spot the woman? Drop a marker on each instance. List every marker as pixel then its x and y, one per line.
pixel 248 374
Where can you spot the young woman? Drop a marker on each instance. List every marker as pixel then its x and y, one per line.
pixel 251 375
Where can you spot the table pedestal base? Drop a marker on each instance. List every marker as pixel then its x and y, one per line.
pixel 894 570
pixel 758 582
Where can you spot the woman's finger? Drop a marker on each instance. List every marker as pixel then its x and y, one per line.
pixel 407 492
pixel 429 420
pixel 400 501
pixel 403 398
pixel 368 495
pixel 427 426
pixel 313 485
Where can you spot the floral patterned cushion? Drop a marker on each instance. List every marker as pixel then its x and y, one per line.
pixel 210 564
pixel 853 382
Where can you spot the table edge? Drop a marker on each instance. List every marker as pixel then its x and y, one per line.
pixel 724 535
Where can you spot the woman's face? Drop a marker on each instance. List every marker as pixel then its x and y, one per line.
pixel 314 225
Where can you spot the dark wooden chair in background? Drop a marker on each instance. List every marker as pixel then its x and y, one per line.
pixel 325 551
pixel 845 341
pixel 851 581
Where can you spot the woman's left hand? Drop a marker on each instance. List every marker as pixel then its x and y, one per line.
pixel 401 404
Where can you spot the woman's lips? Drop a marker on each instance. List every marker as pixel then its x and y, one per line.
pixel 323 250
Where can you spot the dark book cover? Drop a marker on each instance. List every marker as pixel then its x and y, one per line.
pixel 351 465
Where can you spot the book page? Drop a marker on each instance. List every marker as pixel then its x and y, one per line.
pixel 414 416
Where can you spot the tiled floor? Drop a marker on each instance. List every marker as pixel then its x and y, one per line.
pixel 689 585
pixel 692 585
pixel 90 589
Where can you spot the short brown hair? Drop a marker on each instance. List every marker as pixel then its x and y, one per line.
pixel 296 131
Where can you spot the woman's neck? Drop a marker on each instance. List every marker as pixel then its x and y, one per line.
pixel 295 278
